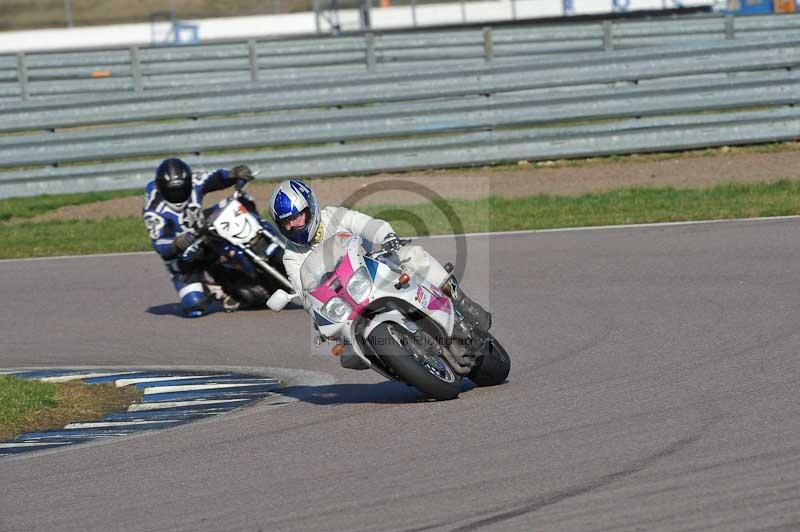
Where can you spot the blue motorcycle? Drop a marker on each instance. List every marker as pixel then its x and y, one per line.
pixel 243 252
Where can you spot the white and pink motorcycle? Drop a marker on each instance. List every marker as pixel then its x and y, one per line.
pixel 387 320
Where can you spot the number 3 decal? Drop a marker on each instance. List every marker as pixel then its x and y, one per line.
pixel 154 223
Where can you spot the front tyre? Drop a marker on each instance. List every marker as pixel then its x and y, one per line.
pixel 493 367
pixel 250 292
pixel 417 359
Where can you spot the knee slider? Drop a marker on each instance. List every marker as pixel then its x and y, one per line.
pixel 195 302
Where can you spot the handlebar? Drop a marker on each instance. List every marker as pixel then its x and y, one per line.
pixel 242 184
pixel 379 252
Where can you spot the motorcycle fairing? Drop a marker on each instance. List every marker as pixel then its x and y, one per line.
pixel 232 257
pixel 321 320
pixel 372 266
pixel 435 305
pixel 236 224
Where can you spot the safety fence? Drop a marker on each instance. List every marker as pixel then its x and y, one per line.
pixel 83 74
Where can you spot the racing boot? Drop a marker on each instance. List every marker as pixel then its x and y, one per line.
pixel 216 291
pixel 229 303
pixel 473 313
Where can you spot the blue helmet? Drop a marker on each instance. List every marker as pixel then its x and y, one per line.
pixel 289 199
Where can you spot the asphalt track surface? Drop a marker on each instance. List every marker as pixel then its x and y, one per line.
pixel 654 387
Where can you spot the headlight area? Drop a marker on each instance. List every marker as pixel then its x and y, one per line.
pixel 359 285
pixel 337 310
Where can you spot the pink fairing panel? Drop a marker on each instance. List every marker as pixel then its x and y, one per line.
pixel 343 272
pixel 441 303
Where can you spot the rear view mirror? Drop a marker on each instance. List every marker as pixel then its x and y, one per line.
pixel 278 300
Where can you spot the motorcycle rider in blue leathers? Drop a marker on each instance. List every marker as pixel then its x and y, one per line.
pixel 172 209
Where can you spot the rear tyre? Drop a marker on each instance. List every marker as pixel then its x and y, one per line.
pixel 493 367
pixel 416 359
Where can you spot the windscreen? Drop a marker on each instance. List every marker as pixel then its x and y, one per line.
pixel 323 261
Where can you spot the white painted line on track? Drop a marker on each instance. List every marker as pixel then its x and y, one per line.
pixel 611 227
pixel 478 234
pixel 191 387
pixel 125 382
pixel 30 444
pixel 119 424
pixel 79 376
pixel 97 255
pixel 178 404
pixel 71 435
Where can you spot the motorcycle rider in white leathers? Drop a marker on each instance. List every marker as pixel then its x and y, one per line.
pixel 295 210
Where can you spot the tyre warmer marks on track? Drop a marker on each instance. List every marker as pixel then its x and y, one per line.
pixel 170 398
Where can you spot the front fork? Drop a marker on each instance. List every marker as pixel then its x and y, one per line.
pixel 264 265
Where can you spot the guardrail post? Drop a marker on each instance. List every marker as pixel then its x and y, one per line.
pixel 251 45
pixel 513 9
pixel 463 12
pixel 488 45
pixel 729 30
pixel 22 75
pixel 316 16
pixel 136 70
pixel 370 42
pixel 608 35
pixel 414 13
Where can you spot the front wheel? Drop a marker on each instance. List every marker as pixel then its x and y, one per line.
pixel 493 367
pixel 248 291
pixel 417 359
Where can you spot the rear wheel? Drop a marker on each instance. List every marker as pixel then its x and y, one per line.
pixel 493 367
pixel 417 359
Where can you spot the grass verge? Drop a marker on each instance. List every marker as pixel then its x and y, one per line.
pixel 36 205
pixel 27 406
pixel 73 237
pixel 622 206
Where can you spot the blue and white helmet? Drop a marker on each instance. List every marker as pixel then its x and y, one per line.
pixel 289 199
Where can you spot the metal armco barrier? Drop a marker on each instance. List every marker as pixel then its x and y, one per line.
pixel 596 103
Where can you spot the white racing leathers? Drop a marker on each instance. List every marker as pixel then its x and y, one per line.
pixel 334 220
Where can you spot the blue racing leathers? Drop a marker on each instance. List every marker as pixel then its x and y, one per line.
pixel 166 221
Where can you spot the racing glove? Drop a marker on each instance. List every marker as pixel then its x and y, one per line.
pixel 243 172
pixel 391 243
pixel 182 242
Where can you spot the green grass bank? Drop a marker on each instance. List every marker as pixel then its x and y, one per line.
pixel 621 206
